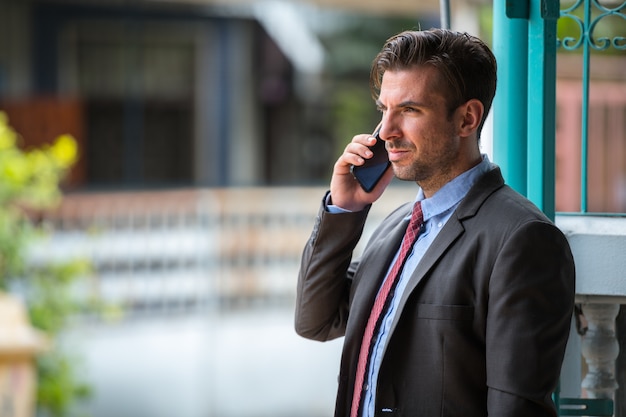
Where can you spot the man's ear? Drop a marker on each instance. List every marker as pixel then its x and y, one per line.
pixel 471 113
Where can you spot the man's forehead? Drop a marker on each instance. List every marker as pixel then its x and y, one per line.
pixel 410 85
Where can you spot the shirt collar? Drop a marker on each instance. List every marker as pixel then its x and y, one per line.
pixel 453 192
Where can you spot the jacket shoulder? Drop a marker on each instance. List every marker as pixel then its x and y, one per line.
pixel 492 197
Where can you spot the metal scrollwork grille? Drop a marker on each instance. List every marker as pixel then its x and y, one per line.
pixel 586 27
pixel 594 13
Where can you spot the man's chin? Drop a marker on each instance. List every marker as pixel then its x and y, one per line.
pixel 402 173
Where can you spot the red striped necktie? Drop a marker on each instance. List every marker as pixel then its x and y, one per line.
pixel 384 295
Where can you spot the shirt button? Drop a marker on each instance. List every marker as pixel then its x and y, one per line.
pixel 366 387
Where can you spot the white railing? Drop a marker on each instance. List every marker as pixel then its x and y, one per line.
pixel 186 249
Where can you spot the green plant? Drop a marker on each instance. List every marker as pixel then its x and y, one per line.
pixel 29 181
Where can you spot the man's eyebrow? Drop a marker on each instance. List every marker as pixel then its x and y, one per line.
pixel 411 103
pixel 408 103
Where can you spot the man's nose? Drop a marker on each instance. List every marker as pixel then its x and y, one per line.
pixel 388 129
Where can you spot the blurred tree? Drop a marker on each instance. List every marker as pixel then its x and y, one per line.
pixel 29 181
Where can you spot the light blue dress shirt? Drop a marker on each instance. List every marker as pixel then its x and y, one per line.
pixel 437 210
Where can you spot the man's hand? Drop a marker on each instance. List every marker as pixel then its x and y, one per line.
pixel 345 190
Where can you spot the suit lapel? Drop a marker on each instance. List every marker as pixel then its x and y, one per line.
pixel 485 186
pixel 452 230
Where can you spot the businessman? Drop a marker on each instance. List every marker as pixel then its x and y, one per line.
pixel 460 304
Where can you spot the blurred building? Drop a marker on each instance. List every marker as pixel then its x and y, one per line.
pixel 157 93
pixel 176 93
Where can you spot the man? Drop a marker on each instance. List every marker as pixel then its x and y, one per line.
pixel 477 318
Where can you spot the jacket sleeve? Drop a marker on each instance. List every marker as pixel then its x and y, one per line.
pixel 531 300
pixel 325 275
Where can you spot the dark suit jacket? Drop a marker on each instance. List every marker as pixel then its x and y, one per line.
pixel 482 326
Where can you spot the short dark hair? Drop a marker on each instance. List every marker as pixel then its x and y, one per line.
pixel 466 65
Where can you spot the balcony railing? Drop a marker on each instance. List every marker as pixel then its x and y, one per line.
pixel 189 249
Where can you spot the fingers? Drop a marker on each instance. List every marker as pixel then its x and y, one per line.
pixel 345 190
pixel 363 151
pixel 357 151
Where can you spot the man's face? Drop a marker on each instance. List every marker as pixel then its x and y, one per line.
pixel 421 136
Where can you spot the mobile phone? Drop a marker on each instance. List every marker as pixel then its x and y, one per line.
pixel 374 168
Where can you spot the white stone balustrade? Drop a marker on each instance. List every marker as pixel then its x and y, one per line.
pixel 599 248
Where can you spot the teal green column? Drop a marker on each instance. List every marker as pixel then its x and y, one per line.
pixel 510 46
pixel 542 104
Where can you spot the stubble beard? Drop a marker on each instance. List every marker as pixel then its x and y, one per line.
pixel 415 172
pixel 428 169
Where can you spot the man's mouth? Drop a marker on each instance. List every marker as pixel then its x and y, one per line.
pixel 395 154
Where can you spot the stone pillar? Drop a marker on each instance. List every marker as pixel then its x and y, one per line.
pixel 600 350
